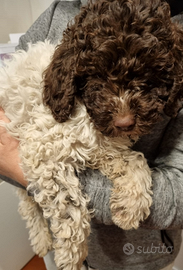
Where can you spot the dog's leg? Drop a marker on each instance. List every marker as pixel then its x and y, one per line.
pixel 39 233
pixel 131 196
pixel 66 207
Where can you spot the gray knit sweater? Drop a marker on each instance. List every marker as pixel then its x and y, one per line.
pixel 156 243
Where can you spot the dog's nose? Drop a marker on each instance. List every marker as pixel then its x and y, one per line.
pixel 125 123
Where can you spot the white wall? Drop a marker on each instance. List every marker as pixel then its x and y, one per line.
pixel 16 16
pixel 15 250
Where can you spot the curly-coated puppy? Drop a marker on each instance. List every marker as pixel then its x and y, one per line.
pixel 123 59
pixel 116 72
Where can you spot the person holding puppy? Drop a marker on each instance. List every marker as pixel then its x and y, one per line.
pixel 156 243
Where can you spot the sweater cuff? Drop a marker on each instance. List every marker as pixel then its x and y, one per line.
pixel 98 188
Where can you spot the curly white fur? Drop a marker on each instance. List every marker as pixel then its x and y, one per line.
pixel 52 152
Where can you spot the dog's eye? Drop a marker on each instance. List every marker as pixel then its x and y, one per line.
pixel 163 98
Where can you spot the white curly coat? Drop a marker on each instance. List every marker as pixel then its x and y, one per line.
pixel 51 153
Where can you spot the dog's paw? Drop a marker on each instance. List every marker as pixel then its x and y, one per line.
pixel 129 208
pixel 131 195
pixel 131 199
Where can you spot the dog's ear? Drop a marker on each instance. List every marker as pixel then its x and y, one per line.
pixel 175 99
pixel 59 87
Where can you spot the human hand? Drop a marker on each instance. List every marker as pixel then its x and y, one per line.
pixel 9 154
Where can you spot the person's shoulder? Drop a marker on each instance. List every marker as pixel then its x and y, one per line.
pixel 177 122
pixel 68 9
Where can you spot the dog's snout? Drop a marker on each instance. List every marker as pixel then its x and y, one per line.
pixel 125 123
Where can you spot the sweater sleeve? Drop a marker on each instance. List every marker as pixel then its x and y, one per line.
pixel 11 181
pixel 98 188
pixel 167 177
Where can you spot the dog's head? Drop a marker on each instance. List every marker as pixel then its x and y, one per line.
pixel 124 60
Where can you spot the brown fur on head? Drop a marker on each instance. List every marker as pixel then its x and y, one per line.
pixel 124 60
